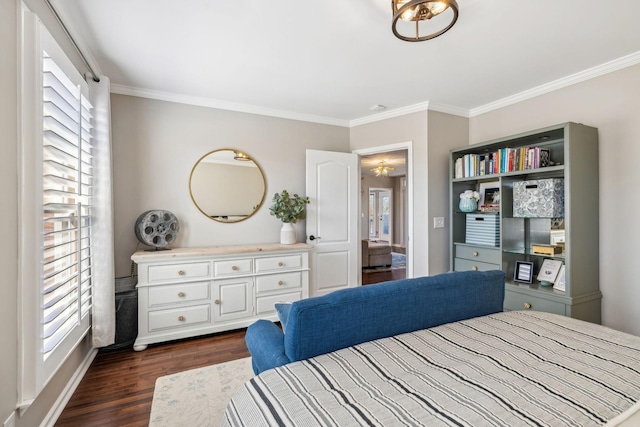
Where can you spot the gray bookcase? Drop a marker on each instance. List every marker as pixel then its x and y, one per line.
pixel 573 151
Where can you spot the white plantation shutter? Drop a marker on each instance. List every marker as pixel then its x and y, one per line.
pixel 55 211
pixel 67 184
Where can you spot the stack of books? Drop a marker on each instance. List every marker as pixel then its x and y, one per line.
pixel 502 161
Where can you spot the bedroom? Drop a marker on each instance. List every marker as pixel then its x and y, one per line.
pixel 607 101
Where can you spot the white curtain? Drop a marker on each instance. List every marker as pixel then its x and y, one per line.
pixel 103 323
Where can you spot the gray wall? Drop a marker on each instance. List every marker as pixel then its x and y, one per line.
pixel 156 144
pixel 610 103
pixel 445 132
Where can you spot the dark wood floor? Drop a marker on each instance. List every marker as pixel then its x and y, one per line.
pixel 383 276
pixel 117 390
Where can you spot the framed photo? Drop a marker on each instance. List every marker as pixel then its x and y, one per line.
pixel 549 270
pixel 489 196
pixel 523 272
pixel 560 283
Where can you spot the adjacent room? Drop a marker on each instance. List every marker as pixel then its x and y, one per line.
pixel 383 202
pixel 344 212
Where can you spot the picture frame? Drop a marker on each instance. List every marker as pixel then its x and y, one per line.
pixel 549 271
pixel 523 272
pixel 560 283
pixel 489 196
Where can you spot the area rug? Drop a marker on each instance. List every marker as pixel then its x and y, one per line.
pixel 198 397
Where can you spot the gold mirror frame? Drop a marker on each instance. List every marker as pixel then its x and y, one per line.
pixel 219 180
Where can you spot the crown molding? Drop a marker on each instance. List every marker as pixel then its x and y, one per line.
pixel 423 106
pixel 607 67
pixel 449 109
pixel 224 105
pixel 597 71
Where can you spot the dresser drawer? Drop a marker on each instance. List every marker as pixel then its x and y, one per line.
pixel 234 267
pixel 266 305
pixel 516 301
pixel 466 265
pixel 479 253
pixel 276 263
pixel 278 281
pixel 187 271
pixel 183 292
pixel 177 317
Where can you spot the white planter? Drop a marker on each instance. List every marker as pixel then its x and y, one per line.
pixel 287 234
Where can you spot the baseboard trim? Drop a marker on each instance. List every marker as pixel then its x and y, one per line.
pixel 62 400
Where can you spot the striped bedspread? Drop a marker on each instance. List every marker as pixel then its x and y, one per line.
pixel 507 369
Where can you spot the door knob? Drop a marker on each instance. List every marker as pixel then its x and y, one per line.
pixel 312 237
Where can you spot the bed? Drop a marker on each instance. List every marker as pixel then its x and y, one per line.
pixel 519 368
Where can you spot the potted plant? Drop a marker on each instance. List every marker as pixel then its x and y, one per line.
pixel 288 209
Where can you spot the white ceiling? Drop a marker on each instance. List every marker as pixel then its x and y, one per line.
pixel 329 61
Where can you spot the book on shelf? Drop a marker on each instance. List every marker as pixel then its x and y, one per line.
pixel 502 161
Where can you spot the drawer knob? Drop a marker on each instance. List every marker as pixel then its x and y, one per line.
pixel 280 264
pixel 475 253
pixel 474 268
pixel 181 318
pixel 234 268
pixel 181 294
pixel 180 273
pixel 527 305
pixel 280 283
pixel 217 302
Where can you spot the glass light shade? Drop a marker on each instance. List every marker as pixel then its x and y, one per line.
pixel 437 7
pixel 421 12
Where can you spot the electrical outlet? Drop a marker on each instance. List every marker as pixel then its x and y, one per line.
pixel 11 421
pixel 438 222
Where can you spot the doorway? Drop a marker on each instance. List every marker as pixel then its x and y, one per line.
pixel 385 212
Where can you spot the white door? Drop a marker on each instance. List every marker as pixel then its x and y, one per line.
pixel 384 215
pixel 332 220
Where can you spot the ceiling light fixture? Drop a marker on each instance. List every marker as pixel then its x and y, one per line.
pixel 418 11
pixel 238 155
pixel 382 170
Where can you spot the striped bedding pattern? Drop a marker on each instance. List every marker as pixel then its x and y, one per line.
pixel 507 369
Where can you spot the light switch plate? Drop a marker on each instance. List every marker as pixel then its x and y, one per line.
pixel 438 222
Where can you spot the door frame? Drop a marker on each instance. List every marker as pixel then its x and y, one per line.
pixel 384 149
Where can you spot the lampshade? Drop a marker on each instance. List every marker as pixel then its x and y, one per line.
pixel 382 170
pixel 421 12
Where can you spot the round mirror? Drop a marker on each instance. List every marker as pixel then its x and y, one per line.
pixel 227 185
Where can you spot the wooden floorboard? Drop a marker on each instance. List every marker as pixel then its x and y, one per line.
pixel 372 277
pixel 117 389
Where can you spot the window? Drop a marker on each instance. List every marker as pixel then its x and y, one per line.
pixel 66 202
pixel 55 209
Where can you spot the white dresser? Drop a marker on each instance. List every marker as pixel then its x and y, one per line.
pixel 185 292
